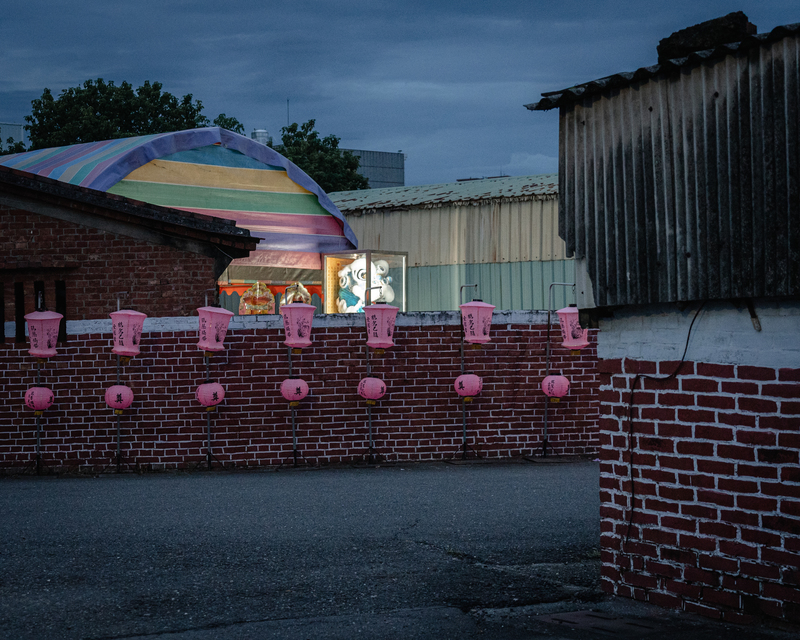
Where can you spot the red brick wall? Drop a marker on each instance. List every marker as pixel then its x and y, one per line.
pixel 418 419
pixel 716 519
pixel 95 265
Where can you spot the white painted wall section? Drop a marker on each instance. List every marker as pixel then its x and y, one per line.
pixel 722 334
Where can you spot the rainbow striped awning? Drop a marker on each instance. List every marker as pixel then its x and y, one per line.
pixel 211 171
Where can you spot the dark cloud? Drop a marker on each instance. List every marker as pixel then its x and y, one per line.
pixel 445 81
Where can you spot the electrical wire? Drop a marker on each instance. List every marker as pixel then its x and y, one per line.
pixel 631 403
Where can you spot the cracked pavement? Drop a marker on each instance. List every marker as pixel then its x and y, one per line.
pixel 210 553
pixel 506 550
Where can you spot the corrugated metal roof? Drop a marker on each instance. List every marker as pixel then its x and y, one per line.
pixel 554 99
pixel 475 232
pixel 436 195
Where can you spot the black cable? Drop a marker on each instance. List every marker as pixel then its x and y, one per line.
pixel 631 404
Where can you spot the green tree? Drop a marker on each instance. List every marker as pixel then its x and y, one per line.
pixel 12 147
pixel 330 167
pixel 229 123
pixel 100 110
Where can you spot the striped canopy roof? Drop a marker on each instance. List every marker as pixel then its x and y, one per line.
pixel 211 171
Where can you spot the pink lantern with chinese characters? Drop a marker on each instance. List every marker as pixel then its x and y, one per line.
pixel 476 318
pixel 297 320
pixel 371 389
pixel 380 320
pixel 468 385
pixel 294 390
pixel 43 332
pixel 210 394
pixel 555 387
pixel 126 327
pixel 39 399
pixel 119 397
pixel 574 337
pixel 213 328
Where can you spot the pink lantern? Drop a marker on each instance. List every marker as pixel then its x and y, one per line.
pixel 297 320
pixel 371 389
pixel 468 385
pixel 574 337
pixel 119 397
pixel 210 394
pixel 43 332
pixel 126 327
pixel 555 387
pixel 476 317
pixel 38 399
pixel 213 328
pixel 380 325
pixel 294 390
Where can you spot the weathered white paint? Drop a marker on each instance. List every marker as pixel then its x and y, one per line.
pixel 722 334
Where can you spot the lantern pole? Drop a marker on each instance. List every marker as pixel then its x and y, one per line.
pixel 119 437
pixel 39 307
pixel 294 412
pixel 463 401
pixel 547 354
pixel 38 422
pixel 368 300
pixel 208 413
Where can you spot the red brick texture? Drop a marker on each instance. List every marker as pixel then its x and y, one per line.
pixel 95 264
pixel 419 418
pixel 714 453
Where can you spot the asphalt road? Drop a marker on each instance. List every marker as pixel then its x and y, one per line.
pixel 211 553
pixel 418 551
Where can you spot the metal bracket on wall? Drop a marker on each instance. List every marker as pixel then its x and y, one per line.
pixel 751 308
pixel 748 302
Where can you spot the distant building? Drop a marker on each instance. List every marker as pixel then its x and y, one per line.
pixel 11 130
pixel 381 168
pixel 262 136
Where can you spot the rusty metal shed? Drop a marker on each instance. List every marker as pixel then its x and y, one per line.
pixel 681 181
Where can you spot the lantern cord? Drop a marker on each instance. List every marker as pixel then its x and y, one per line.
pixel 632 403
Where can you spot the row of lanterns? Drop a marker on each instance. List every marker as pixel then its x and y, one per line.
pixel 297 319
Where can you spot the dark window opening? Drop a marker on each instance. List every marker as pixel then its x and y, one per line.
pixel 19 312
pixel 61 307
pixel 38 296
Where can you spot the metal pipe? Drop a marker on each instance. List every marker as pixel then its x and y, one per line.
pixel 208 429
pixel 371 446
pixel 294 436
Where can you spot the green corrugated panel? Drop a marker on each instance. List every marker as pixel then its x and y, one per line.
pixel 514 285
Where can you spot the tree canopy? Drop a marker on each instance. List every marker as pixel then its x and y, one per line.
pixel 100 110
pixel 330 167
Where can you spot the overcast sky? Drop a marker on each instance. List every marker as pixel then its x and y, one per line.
pixel 443 81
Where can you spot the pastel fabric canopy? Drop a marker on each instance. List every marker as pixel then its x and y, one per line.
pixel 210 171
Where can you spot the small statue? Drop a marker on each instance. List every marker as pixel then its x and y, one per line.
pixel 353 285
pixel 296 293
pixel 257 300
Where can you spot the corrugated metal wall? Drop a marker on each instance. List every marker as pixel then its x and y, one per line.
pixel 510 285
pixel 687 187
pixel 509 248
pixel 481 233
